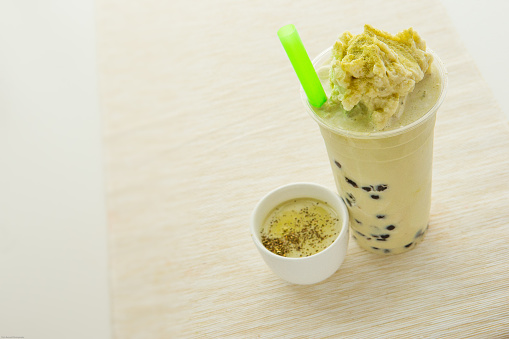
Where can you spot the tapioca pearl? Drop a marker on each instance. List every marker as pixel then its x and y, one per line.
pixel 366 188
pixel 375 196
pixel 385 236
pixel 408 245
pixel 381 188
pixel 348 202
pixel 359 233
pixel 380 216
pixel 420 233
pixel 378 237
pixel 390 227
pixel 351 182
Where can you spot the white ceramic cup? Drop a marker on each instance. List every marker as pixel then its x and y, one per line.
pixel 304 270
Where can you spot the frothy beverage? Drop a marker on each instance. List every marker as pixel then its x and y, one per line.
pixel 383 94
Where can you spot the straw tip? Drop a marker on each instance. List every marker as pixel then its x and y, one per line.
pixel 318 101
pixel 286 31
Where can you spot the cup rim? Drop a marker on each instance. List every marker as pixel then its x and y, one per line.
pixel 382 134
pixel 343 212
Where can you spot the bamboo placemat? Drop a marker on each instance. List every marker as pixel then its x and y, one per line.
pixel 202 117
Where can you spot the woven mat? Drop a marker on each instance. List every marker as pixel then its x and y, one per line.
pixel 202 117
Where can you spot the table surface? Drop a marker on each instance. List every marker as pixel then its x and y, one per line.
pixel 194 134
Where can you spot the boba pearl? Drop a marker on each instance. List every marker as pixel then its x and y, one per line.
pixel 351 182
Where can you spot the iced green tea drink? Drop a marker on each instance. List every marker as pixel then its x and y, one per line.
pixel 383 93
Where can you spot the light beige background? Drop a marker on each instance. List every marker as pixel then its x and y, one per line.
pixel 202 117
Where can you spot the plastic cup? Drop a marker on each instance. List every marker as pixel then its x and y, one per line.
pixel 304 270
pixel 384 177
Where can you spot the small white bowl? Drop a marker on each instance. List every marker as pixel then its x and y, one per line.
pixel 305 270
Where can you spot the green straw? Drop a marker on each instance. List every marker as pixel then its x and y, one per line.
pixel 302 65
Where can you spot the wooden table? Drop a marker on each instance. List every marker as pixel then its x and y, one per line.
pixel 202 117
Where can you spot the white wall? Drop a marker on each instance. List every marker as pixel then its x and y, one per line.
pixel 53 236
